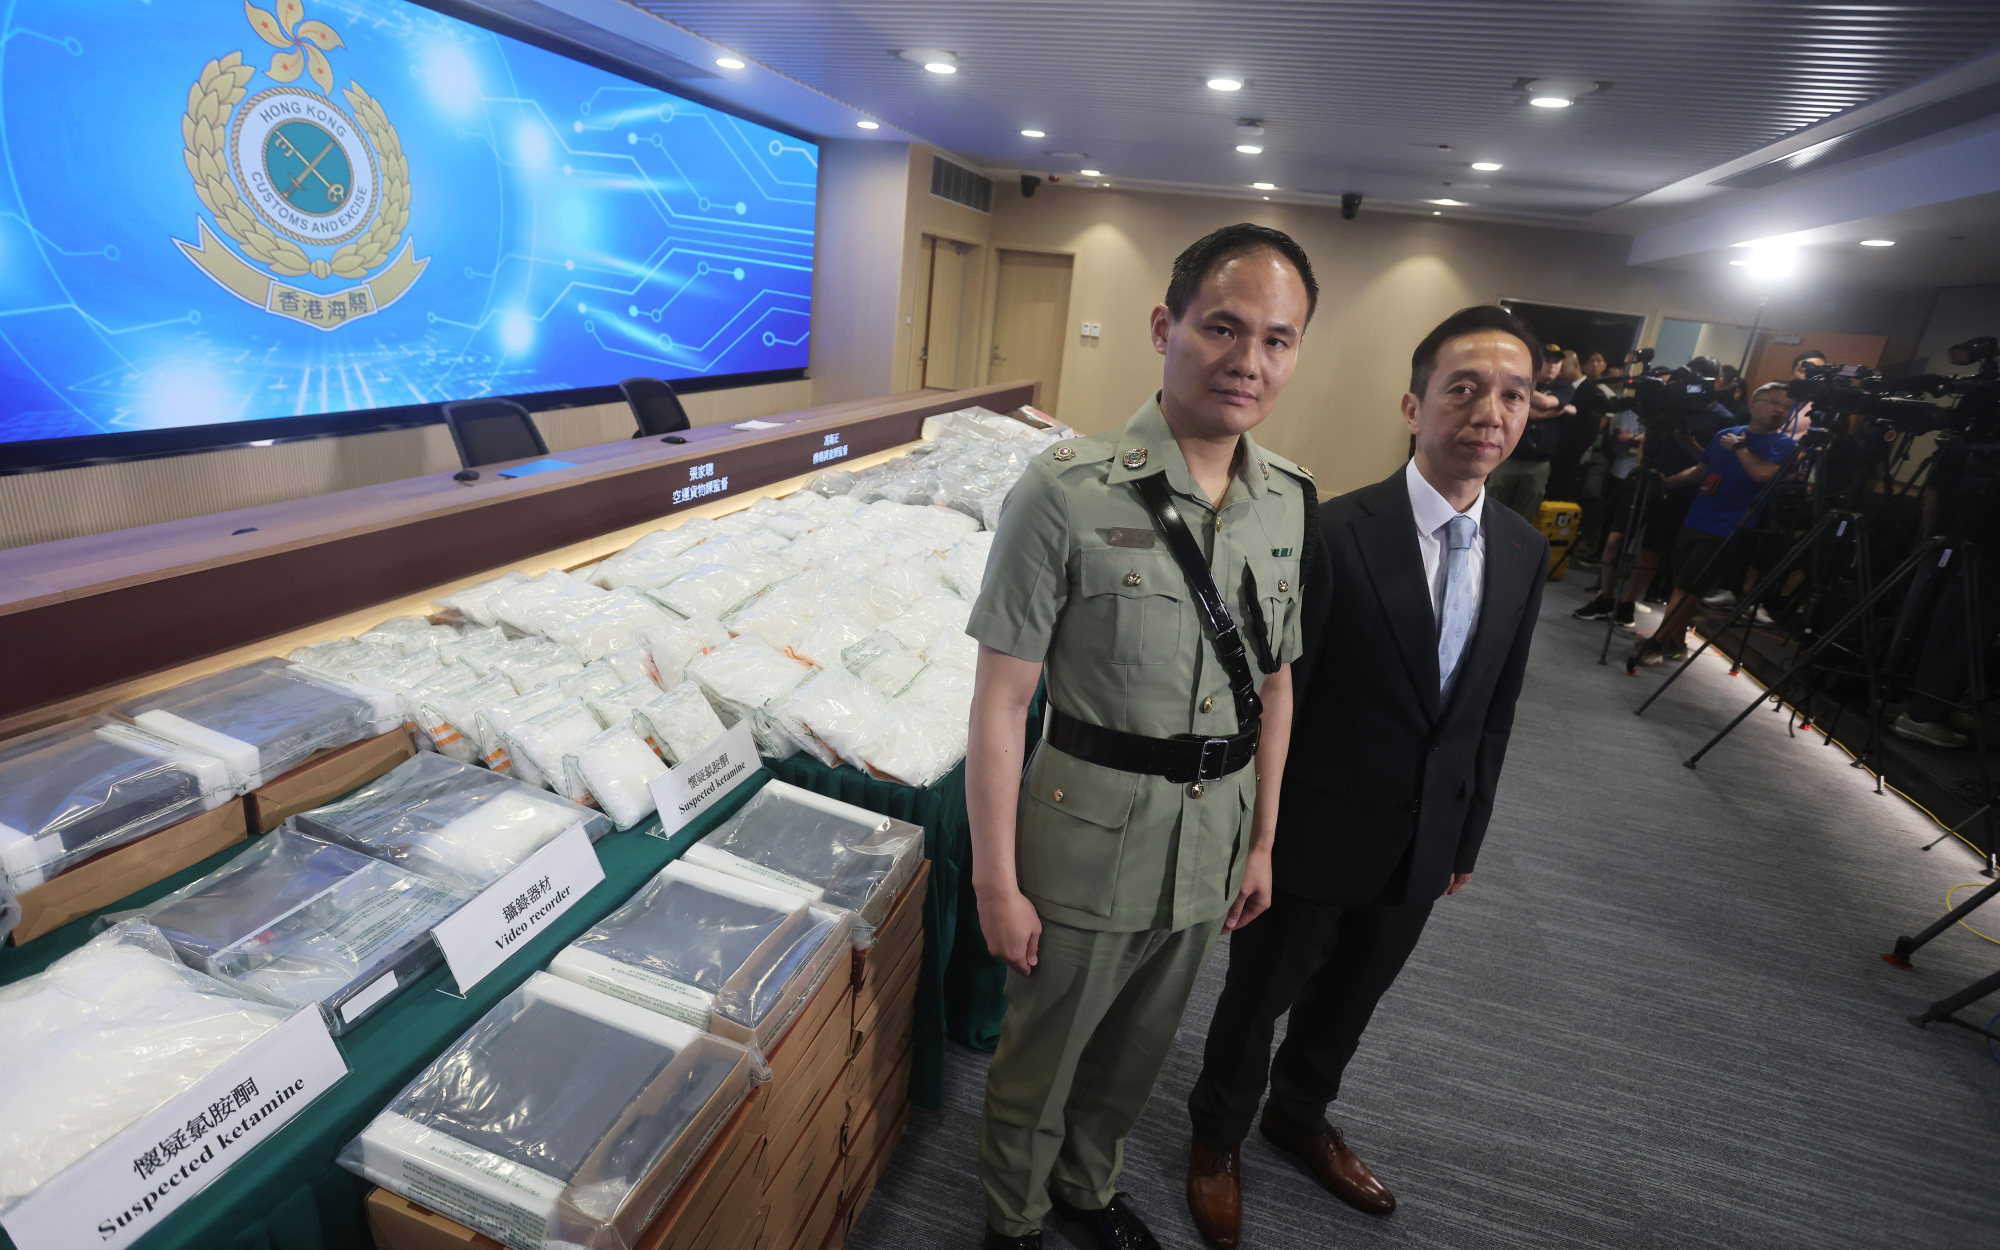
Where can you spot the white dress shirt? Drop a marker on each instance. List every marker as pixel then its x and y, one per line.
pixel 1433 512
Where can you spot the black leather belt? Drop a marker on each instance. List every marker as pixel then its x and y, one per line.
pixel 1180 759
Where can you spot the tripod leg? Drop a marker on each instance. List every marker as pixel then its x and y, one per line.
pixel 1924 551
pixel 1946 1008
pixel 1797 553
pixel 1975 668
pixel 1628 556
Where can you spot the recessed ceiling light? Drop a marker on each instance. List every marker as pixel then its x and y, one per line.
pixel 1878 243
pixel 1447 203
pixel 865 124
pixel 936 60
pixel 1437 212
pixel 1265 186
pixel 1551 101
pixel 1487 167
pixel 941 67
pixel 1250 149
pixel 1090 173
pixel 1267 197
pixel 728 62
pixel 1034 134
pixel 1224 83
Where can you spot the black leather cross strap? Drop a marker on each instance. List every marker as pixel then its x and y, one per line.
pixel 1209 604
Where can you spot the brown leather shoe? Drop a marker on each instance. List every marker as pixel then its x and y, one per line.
pixel 1215 1193
pixel 1327 1157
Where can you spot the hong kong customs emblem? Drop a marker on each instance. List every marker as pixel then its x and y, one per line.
pixel 302 187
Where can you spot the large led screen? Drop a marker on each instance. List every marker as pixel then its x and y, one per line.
pixel 216 212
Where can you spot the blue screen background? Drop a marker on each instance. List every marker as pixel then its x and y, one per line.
pixel 576 227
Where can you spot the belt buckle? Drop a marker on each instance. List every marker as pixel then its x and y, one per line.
pixel 1217 750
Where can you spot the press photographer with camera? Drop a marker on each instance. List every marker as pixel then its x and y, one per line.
pixel 1521 481
pixel 1732 468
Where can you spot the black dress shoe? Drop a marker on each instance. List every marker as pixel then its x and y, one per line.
pixel 1001 1241
pixel 1114 1227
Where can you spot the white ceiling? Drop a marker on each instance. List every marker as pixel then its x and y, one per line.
pixel 1357 96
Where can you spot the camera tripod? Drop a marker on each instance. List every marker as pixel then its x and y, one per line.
pixel 1645 485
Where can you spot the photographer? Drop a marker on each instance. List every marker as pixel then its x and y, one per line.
pixel 1962 501
pixel 1521 481
pixel 1732 468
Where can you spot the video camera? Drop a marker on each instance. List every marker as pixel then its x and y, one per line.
pixel 1907 404
pixel 1665 399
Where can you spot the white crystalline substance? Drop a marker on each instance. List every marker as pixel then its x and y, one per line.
pixel 105 1035
pixel 618 769
pixel 680 722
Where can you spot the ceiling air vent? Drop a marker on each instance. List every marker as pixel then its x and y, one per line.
pixel 960 185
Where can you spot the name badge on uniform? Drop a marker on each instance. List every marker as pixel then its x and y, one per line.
pixel 1129 538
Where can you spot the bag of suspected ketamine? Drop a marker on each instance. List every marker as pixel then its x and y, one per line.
pixel 565 1118
pixel 101 1037
pixel 305 922
pixel 85 786
pixel 473 605
pixel 456 822
pixel 545 738
pixel 265 717
pixel 723 953
pixel 740 678
pixel 617 770
pixel 819 849
pixel 497 720
pixel 678 723
pixel 829 712
pixel 450 718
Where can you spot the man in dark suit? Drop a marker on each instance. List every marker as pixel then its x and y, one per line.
pixel 1419 608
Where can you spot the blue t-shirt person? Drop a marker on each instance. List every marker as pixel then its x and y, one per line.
pixel 1727 490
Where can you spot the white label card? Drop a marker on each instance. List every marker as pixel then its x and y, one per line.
pixel 701 780
pixel 509 913
pixel 123 1189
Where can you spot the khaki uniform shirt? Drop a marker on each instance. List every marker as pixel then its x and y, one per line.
pixel 1082 582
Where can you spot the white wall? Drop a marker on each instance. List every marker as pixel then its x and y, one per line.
pixel 857 268
pixel 1958 313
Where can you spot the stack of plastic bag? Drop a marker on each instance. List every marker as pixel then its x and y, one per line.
pixel 545 739
pixel 452 821
pixel 819 850
pixel 73 790
pixel 100 1038
pixel 265 717
pixel 831 713
pixel 449 716
pixel 473 605
pixel 532 662
pixel 305 922
pixel 723 953
pixel 565 1118
pixel 672 646
pixel 741 678
pixel 497 720
pixel 544 604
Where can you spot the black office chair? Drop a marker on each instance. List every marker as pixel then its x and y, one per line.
pixel 488 431
pixel 655 405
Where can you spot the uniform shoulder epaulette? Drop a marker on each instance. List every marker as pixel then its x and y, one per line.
pixel 1278 462
pixel 1083 449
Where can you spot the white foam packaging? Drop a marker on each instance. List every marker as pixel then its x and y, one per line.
pixel 563 1120
pixel 101 1037
pixel 455 822
pixel 265 717
pixel 84 786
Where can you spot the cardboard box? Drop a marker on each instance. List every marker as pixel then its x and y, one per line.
pixel 861 1187
pixel 900 931
pixel 879 1052
pixel 102 880
pixel 719 1195
pixel 325 776
pixel 868 1116
pixel 805 1162
pixel 399 1224
pixel 894 995
pixel 822 1222
pixel 809 1056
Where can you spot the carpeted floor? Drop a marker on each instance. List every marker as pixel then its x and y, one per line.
pixel 1654 1019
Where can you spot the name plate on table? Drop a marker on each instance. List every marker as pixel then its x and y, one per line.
pixel 123 1189
pixel 705 778
pixel 507 914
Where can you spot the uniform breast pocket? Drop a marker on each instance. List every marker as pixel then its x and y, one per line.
pixel 1278 597
pixel 1133 606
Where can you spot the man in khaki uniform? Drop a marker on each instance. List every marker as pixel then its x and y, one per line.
pixel 1141 827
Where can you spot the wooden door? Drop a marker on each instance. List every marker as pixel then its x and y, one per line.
pixel 1030 320
pixel 946 321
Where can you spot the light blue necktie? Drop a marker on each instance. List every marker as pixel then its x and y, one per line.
pixel 1455 605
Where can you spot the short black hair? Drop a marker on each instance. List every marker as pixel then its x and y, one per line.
pixel 1473 320
pixel 1204 254
pixel 1802 357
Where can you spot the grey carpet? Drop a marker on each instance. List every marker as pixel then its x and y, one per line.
pixel 1655 1018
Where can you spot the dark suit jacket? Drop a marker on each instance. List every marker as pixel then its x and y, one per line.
pixel 1375 761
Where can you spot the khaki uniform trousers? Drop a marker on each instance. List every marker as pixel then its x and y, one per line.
pixel 1083 1043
